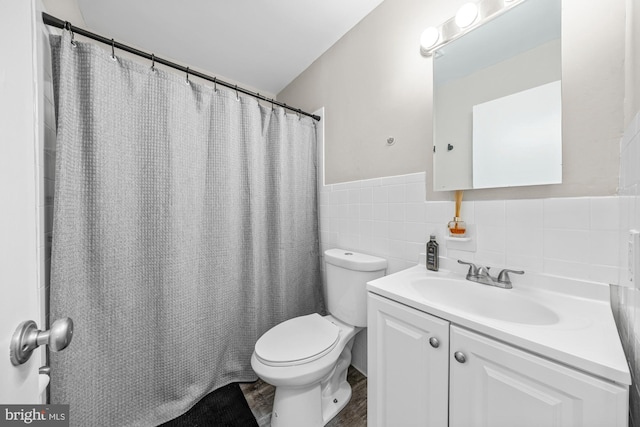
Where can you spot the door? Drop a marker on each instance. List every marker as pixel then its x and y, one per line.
pixel 408 366
pixel 495 385
pixel 22 245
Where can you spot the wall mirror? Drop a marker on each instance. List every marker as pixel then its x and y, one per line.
pixel 497 105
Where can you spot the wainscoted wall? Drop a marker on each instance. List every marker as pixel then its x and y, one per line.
pixel 388 217
pixel 625 298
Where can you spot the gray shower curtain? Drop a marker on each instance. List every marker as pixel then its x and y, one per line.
pixel 185 226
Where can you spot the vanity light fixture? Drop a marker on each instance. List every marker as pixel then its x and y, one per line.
pixel 429 38
pixel 469 16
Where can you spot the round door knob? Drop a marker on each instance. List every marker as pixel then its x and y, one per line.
pixel 460 357
pixel 59 336
pixel 434 342
pixel 28 337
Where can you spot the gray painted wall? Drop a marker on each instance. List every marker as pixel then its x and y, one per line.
pixel 374 84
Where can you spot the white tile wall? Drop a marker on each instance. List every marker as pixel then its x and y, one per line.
pixel 388 217
pixel 626 297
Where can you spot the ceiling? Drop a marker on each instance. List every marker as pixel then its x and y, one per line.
pixel 261 44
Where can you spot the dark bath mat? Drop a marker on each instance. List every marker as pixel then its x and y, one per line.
pixel 224 407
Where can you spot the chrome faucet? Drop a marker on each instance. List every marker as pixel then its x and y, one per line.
pixel 482 275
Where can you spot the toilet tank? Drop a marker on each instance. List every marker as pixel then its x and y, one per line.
pixel 347 275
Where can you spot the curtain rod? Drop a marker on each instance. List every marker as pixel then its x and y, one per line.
pixel 59 23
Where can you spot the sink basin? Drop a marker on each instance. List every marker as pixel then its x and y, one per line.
pixel 482 300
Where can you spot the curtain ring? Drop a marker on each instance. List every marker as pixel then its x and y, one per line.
pixel 188 82
pixel 153 62
pixel 215 85
pixel 113 50
pixel 67 26
pixel 299 114
pixel 237 97
pixel 272 108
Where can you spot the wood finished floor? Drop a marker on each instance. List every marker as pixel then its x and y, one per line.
pixel 259 395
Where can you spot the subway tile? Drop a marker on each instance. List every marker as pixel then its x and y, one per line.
pixel 463 255
pixel 526 242
pixel 381 212
pixel 605 213
pixel 341 197
pixel 490 238
pixel 524 262
pixel 343 226
pixel 416 232
pixel 380 246
pixel 576 270
pixel 440 212
pixel 566 245
pixel 366 228
pixel 353 211
pixel 491 213
pixel 380 195
pixel 567 213
pixel 348 241
pixel 413 251
pixel 415 192
pixel 524 214
pixel 366 211
pixel 603 248
pixel 397 193
pixel 381 229
pixel 604 273
pixel 415 212
pixel 341 211
pixel 366 243
pixel 397 211
pixel 397 248
pixel 467 212
pixel 396 230
pixel 490 258
pixel 354 196
pixel 366 195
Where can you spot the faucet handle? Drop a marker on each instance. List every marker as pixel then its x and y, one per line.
pixel 503 277
pixel 484 271
pixel 473 270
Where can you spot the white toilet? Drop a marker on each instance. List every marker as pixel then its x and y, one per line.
pixel 306 358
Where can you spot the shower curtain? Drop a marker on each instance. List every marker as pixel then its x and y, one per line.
pixel 185 226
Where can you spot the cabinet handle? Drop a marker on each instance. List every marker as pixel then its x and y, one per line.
pixel 460 357
pixel 434 342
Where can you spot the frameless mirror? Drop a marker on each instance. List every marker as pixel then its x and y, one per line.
pixel 497 102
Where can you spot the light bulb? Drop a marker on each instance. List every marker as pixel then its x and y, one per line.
pixel 429 38
pixel 466 15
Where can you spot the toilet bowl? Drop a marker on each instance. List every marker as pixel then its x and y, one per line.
pixel 306 358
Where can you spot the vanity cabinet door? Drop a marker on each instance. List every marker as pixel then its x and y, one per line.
pixel 495 385
pixel 408 366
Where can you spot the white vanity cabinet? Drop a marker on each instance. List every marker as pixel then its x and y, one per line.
pixel 492 384
pixel 408 366
pixel 470 380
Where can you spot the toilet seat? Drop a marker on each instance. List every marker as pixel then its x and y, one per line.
pixel 297 341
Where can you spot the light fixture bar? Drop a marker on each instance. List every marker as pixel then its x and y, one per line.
pixel 468 17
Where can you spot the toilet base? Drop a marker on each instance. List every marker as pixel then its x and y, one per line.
pixel 317 404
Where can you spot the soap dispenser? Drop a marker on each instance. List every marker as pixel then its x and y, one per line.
pixel 432 253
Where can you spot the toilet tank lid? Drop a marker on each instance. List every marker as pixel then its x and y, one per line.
pixel 354 261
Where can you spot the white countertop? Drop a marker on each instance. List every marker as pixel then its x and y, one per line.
pixel 584 336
